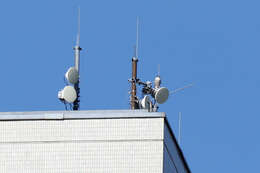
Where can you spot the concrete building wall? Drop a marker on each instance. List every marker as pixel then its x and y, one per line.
pixel 88 141
pixel 85 145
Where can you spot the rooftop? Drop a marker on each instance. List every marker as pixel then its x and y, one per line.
pixel 89 114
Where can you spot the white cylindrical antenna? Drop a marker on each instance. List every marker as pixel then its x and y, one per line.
pixel 157 79
pixel 179 133
pixel 77 47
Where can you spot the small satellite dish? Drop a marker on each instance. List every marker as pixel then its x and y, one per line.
pixel 145 102
pixel 68 94
pixel 72 75
pixel 161 95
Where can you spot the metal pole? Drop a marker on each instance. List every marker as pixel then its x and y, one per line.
pixel 77 50
pixel 134 104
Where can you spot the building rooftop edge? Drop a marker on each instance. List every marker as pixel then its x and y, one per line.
pixel 83 114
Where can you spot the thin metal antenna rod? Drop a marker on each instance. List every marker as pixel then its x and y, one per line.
pixel 78 34
pixel 77 50
pixel 134 101
pixel 180 89
pixel 158 73
pixel 137 37
pixel 179 133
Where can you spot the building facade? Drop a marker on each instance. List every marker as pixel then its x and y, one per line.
pixel 111 141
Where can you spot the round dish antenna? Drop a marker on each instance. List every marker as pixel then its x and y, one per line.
pixel 72 75
pixel 68 94
pixel 161 95
pixel 145 102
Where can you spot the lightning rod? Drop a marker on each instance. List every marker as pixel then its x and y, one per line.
pixel 134 100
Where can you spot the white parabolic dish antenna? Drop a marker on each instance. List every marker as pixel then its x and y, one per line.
pixel 68 94
pixel 161 95
pixel 146 102
pixel 72 75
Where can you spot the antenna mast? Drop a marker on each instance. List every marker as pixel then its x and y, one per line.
pixel 134 80
pixel 77 50
pixel 70 94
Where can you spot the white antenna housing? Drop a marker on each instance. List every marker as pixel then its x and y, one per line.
pixel 161 95
pixel 72 75
pixel 157 79
pixel 146 102
pixel 157 82
pixel 68 94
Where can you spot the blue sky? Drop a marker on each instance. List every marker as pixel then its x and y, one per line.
pixel 212 44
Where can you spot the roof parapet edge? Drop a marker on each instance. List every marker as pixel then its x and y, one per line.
pixel 89 114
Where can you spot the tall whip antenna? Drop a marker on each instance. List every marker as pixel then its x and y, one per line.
pixel 134 100
pixel 78 34
pixel 77 50
pixel 137 37
pixel 158 72
pixel 180 89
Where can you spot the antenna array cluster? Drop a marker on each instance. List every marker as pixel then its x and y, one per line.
pixel 152 93
pixel 150 90
pixel 158 94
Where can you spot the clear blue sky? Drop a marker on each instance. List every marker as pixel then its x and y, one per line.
pixel 212 44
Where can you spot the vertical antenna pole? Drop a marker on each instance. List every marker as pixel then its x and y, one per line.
pixel 179 134
pixel 137 37
pixel 77 47
pixel 134 103
pixel 133 81
pixel 77 50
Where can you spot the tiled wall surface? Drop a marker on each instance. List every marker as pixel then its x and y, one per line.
pixel 100 157
pixel 80 146
pixel 88 129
